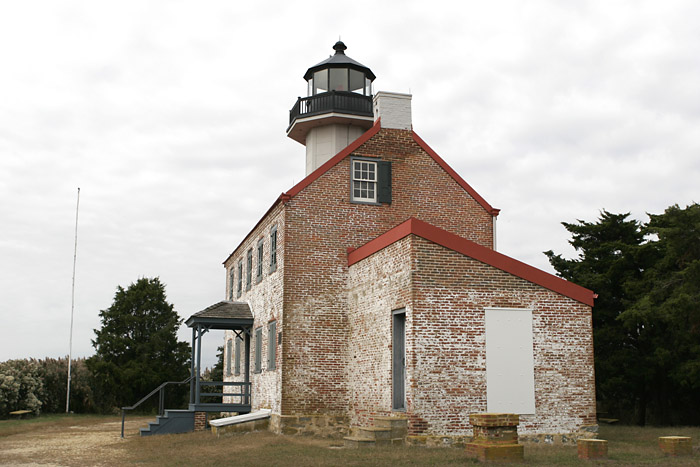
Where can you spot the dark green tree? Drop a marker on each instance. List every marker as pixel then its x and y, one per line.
pixel 217 372
pixel 137 347
pixel 647 318
pixel 609 260
pixel 667 310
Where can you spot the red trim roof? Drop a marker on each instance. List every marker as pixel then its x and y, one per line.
pixel 313 176
pixel 475 251
pixel 490 209
pixel 316 174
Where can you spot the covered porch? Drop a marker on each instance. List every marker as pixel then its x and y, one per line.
pixel 225 315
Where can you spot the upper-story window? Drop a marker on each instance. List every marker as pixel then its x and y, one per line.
pixel 364 181
pixel 249 269
pixel 259 275
pixel 273 249
pixel 370 181
pixel 240 278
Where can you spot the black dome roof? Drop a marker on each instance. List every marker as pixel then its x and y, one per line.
pixel 339 60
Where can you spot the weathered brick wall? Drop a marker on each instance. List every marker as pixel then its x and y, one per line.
pixel 445 294
pixel 376 287
pixel 451 292
pixel 321 224
pixel 265 301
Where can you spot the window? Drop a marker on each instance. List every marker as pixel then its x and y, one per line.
pixel 370 181
pixel 259 274
pixel 230 284
pixel 271 345
pixel 364 181
pixel 258 350
pixel 237 359
pixel 229 356
pixel 249 269
pixel 240 277
pixel 273 249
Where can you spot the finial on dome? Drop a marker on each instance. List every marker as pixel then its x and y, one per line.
pixel 339 48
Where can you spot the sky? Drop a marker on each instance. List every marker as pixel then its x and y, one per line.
pixel 170 117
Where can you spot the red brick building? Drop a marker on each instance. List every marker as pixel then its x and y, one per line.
pixel 375 288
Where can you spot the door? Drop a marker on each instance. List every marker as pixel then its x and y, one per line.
pixel 399 360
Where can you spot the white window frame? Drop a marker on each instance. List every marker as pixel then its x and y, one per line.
pixel 363 182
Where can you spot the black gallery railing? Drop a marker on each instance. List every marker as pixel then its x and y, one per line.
pixel 339 101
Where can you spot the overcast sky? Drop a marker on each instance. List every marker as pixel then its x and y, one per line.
pixel 170 116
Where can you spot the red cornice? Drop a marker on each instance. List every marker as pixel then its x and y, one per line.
pixel 475 251
pixel 490 209
pixel 313 176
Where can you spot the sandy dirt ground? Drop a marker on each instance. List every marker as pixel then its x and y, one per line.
pixel 82 444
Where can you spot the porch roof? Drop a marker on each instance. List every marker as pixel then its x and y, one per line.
pixel 223 315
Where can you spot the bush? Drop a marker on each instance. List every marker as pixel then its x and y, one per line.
pixel 54 374
pixel 21 386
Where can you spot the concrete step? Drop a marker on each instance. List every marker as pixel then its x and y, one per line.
pixel 355 442
pixel 370 432
pixel 397 425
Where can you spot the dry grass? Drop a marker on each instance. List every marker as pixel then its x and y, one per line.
pixel 92 440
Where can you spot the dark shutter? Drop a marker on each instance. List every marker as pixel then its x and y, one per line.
pixel 271 345
pixel 384 182
pixel 258 350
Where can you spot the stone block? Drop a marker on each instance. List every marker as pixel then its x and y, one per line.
pixel 487 419
pixel 499 453
pixel 592 448
pixel 676 445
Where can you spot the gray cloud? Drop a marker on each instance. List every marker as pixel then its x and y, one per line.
pixel 171 119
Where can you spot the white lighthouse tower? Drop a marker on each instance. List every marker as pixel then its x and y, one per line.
pixel 337 109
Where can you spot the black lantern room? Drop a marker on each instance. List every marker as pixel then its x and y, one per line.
pixel 338 87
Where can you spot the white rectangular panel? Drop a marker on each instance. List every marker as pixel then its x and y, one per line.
pixel 510 369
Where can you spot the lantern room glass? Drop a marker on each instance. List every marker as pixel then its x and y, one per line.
pixel 339 79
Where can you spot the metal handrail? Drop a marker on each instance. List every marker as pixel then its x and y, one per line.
pixel 161 399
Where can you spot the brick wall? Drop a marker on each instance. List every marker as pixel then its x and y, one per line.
pixel 445 294
pixel 451 292
pixel 265 301
pixel 321 224
pixel 376 287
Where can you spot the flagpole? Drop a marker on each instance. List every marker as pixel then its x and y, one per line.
pixel 72 305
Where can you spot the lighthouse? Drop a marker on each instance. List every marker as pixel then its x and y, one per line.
pixel 338 107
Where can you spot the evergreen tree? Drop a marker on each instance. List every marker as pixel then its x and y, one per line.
pixel 137 347
pixel 646 321
pixel 608 260
pixel 667 311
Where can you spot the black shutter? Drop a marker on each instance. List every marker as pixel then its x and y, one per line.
pixel 384 182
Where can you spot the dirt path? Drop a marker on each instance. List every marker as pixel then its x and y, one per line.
pixel 64 444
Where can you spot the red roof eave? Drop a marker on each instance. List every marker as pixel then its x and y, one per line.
pixel 313 176
pixel 475 251
pixel 490 209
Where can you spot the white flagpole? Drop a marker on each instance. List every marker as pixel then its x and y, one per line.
pixel 72 305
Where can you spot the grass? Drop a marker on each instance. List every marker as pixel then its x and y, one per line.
pixel 52 439
pixel 51 421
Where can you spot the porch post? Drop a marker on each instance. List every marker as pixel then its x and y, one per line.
pixel 199 362
pixel 192 369
pixel 247 365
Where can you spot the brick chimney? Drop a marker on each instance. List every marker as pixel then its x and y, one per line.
pixel 394 109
